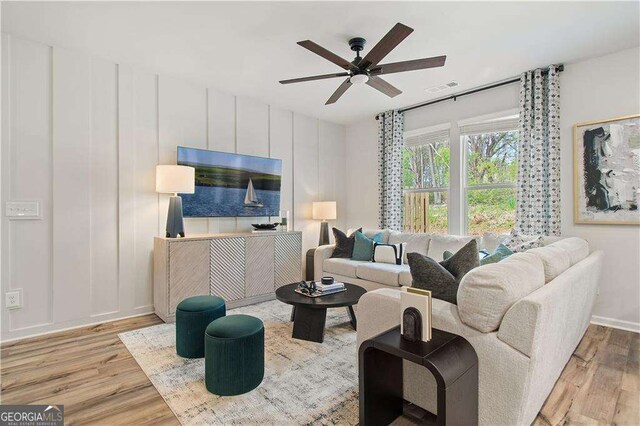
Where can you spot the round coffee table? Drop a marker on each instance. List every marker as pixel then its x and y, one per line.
pixel 309 314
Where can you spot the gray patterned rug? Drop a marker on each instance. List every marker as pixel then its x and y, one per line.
pixel 304 382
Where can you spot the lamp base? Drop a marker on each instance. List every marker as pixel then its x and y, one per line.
pixel 175 223
pixel 324 233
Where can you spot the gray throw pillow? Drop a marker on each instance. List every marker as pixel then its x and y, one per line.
pixel 443 278
pixel 344 244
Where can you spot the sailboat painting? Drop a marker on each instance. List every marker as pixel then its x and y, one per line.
pixel 251 199
pixel 231 185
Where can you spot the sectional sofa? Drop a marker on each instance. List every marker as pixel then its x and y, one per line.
pixel 524 316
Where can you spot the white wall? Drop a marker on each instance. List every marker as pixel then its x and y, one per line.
pixel 83 136
pixel 600 88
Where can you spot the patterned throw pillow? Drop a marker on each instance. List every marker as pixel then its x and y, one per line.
pixel 500 253
pixel 344 244
pixel 389 253
pixel 519 242
pixel 443 279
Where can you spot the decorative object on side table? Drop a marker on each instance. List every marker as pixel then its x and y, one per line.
pixel 324 210
pixel 607 171
pixel 415 308
pixel 260 227
pixel 284 221
pixel 172 179
pixel 449 358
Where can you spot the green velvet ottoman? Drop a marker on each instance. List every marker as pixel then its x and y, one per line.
pixel 193 315
pixel 234 355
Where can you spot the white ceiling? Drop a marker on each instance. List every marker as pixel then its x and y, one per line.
pixel 245 47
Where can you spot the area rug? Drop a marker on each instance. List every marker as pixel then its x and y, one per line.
pixel 304 382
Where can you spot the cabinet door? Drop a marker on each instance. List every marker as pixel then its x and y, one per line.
pixel 288 259
pixel 227 268
pixel 188 270
pixel 259 266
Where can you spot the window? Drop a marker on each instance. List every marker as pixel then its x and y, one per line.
pixel 491 173
pixel 425 173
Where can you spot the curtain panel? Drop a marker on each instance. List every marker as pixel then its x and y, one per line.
pixel 538 201
pixel 390 144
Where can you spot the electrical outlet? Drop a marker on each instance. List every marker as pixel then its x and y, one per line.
pixel 13 299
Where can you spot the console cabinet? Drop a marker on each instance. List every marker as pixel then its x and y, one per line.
pixel 241 268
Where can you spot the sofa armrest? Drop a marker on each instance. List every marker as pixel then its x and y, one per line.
pixel 321 254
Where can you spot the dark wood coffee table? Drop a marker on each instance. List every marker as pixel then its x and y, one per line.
pixel 309 314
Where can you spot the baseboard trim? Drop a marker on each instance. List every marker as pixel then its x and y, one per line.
pixel 614 323
pixel 73 327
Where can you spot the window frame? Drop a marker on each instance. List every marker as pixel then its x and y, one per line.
pixel 465 186
pixel 437 129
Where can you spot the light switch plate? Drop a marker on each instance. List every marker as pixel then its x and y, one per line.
pixel 23 210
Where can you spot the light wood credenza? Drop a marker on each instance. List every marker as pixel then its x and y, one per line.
pixel 242 268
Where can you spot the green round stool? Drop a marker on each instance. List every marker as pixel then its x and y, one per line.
pixel 234 355
pixel 193 315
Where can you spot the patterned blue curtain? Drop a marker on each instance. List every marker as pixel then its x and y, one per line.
pixel 538 210
pixel 390 143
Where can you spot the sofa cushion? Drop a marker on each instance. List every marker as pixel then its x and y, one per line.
pixel 486 293
pixel 405 277
pixel 554 259
pixel 370 232
pixel 441 243
pixel 416 243
pixel 383 273
pixel 577 248
pixel 341 266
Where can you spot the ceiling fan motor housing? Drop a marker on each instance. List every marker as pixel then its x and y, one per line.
pixel 357 44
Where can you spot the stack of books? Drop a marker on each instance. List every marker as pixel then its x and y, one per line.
pixel 324 289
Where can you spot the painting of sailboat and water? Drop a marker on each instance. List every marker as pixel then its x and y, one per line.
pixel 231 185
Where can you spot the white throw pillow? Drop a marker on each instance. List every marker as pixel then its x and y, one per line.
pixel 491 240
pixel 416 243
pixel 441 243
pixel 389 253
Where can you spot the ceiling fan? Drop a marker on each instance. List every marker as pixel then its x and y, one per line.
pixel 366 70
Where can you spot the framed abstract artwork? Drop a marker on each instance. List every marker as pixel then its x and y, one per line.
pixel 607 171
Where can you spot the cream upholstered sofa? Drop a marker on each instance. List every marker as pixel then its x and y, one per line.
pixel 524 316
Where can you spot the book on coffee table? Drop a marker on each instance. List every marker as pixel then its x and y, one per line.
pixel 320 293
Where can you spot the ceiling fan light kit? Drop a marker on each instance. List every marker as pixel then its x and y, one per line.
pixel 366 70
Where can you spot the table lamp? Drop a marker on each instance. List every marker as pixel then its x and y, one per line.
pixel 324 210
pixel 173 180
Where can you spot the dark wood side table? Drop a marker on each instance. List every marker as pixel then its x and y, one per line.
pixel 310 262
pixel 449 357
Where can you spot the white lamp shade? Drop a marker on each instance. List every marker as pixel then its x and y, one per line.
pixel 175 179
pixel 324 210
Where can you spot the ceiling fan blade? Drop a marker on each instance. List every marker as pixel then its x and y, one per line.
pixel 393 38
pixel 416 64
pixel 339 92
pixel 315 77
pixel 330 56
pixel 383 86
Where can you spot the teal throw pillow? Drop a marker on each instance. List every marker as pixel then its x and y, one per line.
pixel 500 253
pixel 363 246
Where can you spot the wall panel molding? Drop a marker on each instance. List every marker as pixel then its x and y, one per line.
pixel 83 136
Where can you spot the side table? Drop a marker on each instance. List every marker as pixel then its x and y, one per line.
pixel 449 357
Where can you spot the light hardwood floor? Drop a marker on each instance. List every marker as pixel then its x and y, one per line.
pixel 91 372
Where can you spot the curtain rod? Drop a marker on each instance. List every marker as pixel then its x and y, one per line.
pixel 468 92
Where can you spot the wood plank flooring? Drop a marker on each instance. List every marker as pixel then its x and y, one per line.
pixel 91 372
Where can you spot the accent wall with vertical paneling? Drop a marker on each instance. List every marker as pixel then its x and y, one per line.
pixel 82 136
